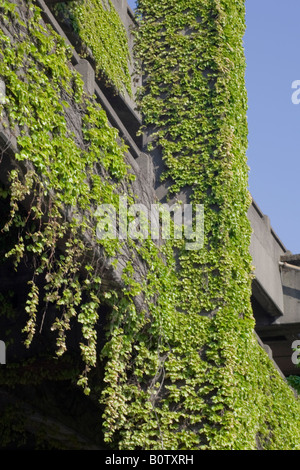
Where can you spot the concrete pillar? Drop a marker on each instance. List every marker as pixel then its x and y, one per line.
pixel 121 7
pixel 146 166
pixel 88 75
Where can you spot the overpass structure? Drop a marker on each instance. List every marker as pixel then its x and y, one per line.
pixel 275 292
pixel 276 286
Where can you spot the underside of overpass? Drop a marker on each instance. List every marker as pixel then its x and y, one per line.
pixel 275 293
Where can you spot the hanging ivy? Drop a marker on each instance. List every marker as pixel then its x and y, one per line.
pixel 98 25
pixel 40 87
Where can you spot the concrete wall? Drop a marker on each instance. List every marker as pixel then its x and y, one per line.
pixel 266 250
pixel 291 295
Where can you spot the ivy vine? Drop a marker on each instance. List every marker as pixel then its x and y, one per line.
pixel 98 25
pixel 59 175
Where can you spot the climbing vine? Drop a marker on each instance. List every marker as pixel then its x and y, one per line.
pixel 98 25
pixel 182 369
pixel 195 100
pixel 58 173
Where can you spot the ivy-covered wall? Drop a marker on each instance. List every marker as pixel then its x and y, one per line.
pixel 98 26
pixel 194 98
pixel 181 368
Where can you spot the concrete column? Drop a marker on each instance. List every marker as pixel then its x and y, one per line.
pixel 88 75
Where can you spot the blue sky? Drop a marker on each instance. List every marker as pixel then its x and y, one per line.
pixel 272 44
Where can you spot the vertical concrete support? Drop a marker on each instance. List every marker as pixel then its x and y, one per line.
pixel 146 166
pixel 291 295
pixel 121 7
pixel 88 75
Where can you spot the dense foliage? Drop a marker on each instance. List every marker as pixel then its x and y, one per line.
pixel 183 369
pixel 40 87
pixel 99 27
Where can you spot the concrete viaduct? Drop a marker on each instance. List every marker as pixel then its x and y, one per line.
pixel 276 287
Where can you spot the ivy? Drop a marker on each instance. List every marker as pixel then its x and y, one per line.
pixel 60 176
pixel 294 381
pixel 98 25
pixel 194 97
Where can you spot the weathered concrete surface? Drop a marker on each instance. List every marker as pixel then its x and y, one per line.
pixel 87 74
pixel 266 250
pixel 291 294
